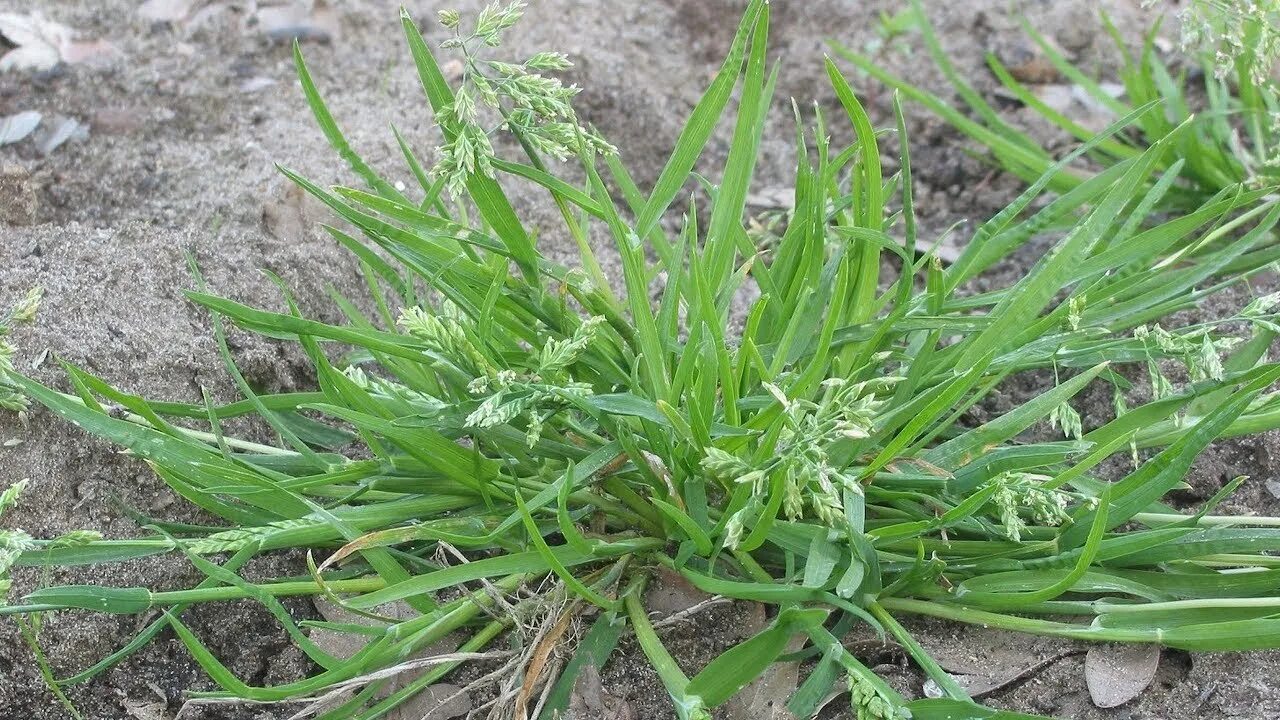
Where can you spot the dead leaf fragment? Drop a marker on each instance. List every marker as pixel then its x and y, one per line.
pixel 1057 96
pixel 1025 61
pixel 60 129
pixel 1077 104
pixel 93 52
pixel 38 41
pixel 17 126
pixel 977 686
pixel 452 70
pixel 590 701
pixel 1118 673
pixel 42 44
pixel 670 592
pixel 343 645
pixel 170 11
pixel 985 662
pixel 298 20
pixel 441 701
pixel 143 709
pixel 1035 70
pixel 437 702
pixel 765 698
pixel 120 120
pixel 290 213
pixel 254 84
pixel 541 655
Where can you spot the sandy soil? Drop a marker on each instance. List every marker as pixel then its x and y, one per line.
pixel 180 160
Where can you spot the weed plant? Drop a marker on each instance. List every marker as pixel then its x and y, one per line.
pixel 507 441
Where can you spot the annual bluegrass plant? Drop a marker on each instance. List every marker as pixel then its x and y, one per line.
pixel 509 446
pixel 1224 125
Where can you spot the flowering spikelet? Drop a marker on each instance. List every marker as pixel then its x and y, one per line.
pixel 25 311
pixel 496 409
pixel 733 528
pixel 235 540
pixel 559 354
pixel 869 703
pixel 533 107
pixel 1018 493
pixel 1065 417
pixel 724 466
pixel 12 544
pixel 75 538
pixel 537 395
pixel 1075 311
pixel 10 496
pixel 1236 33
pixel 1210 364
pixel 446 338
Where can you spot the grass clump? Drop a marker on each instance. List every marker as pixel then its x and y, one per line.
pixel 567 437
pixel 1225 124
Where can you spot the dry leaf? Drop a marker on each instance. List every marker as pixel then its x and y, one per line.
pixel 39 42
pixel 985 662
pixel 144 709
pixel 1118 673
pixel 42 44
pixel 981 684
pixel 1035 70
pixel 1273 487
pixel 119 120
pixel 945 251
pixel 441 701
pixel 92 52
pixel 59 130
pixel 171 11
pixel 290 213
pixel 16 127
pixel 343 645
pixel 1077 104
pixel 765 698
pixel 589 701
pixel 975 685
pixel 254 84
pixel 452 70
pixel 542 653
pixel 670 592
pixel 438 702
pixel 1057 96
pixel 298 20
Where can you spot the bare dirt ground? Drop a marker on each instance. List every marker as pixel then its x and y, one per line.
pixel 185 125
